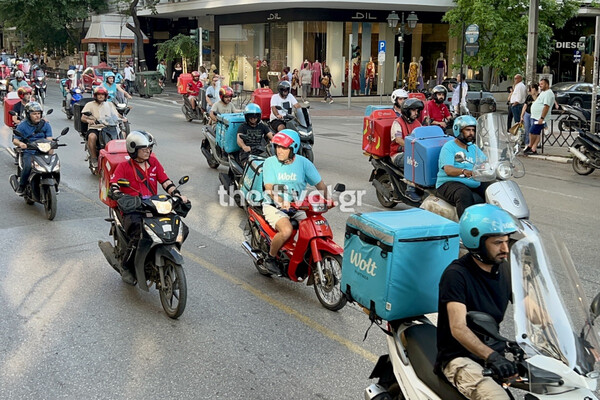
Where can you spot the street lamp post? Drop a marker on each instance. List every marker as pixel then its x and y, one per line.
pixel 411 20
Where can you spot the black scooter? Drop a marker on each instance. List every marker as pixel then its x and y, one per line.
pixel 42 185
pixel 586 150
pixel 199 113
pixel 389 182
pixel 39 88
pixel 301 123
pixel 157 256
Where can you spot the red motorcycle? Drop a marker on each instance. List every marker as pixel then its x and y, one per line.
pixel 312 256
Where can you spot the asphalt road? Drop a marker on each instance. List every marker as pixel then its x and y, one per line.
pixel 72 329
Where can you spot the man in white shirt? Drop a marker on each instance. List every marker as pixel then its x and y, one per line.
pixel 281 105
pixel 517 98
pixel 129 77
pixel 456 96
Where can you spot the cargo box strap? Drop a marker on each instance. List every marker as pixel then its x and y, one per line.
pixel 372 314
pixel 368 239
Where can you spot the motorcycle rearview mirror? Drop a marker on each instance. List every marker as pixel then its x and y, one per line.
pixel 50 111
pixel 595 307
pixel 339 187
pixel 460 157
pixel 123 182
pixel 484 324
pixel 184 180
pixel 64 131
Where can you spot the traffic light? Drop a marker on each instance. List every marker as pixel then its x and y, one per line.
pixel 194 35
pixel 589 44
pixel 205 35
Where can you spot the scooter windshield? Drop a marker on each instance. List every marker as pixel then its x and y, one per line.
pixel 499 148
pixel 108 114
pixel 550 310
pixel 303 117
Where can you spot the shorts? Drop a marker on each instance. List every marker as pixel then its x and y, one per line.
pixel 87 133
pixel 275 124
pixel 467 376
pixel 536 128
pixel 273 215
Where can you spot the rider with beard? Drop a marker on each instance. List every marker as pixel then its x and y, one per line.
pixel 285 176
pixel 437 112
pixel 454 179
pixel 251 133
pixel 478 281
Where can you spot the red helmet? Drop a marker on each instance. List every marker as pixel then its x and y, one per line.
pixel 195 74
pixel 225 91
pixel 23 90
pixel 100 90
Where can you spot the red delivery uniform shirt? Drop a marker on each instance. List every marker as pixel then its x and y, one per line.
pixel 137 177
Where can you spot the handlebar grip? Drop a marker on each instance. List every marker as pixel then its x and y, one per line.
pixel 62 144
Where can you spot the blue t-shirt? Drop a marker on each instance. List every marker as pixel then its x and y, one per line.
pixel 112 90
pixel 28 132
pixel 16 84
pixel 294 176
pixel 472 153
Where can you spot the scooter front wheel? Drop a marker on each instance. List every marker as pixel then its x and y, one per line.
pixel 173 295
pixel 329 291
pixel 50 204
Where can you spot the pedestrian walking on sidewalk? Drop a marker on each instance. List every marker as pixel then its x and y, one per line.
pixel 327 81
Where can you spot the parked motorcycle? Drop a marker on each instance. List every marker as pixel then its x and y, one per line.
pixel 110 131
pixel 42 185
pixel 586 150
pixel 39 88
pixel 313 256
pixel 573 118
pixel 555 348
pixel 157 257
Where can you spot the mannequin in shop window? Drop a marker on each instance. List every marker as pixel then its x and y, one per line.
pixel 441 68
pixel 420 83
pixel 369 76
pixel 356 76
pixel 413 74
pixel 316 77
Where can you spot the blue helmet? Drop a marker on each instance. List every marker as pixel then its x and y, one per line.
pixel 287 138
pixel 462 122
pixel 252 110
pixel 109 74
pixel 483 220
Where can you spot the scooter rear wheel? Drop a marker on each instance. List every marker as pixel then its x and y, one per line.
pixel 578 165
pixel 386 181
pixel 173 296
pixel 329 292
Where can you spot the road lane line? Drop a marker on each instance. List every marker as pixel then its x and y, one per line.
pixel 552 192
pixel 288 310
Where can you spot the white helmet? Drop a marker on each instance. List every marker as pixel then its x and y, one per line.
pixel 137 140
pixel 399 94
pixel 70 73
pixel 19 74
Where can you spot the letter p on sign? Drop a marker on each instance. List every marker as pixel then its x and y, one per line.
pixel 381 46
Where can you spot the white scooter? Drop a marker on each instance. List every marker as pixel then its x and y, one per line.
pixel 555 361
pixel 499 166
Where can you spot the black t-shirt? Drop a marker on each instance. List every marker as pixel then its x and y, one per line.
pixel 253 136
pixel 465 282
pixel 19 108
pixel 528 102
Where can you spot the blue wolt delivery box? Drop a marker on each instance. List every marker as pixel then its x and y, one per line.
pixel 369 109
pixel 226 131
pixel 421 153
pixel 252 180
pixel 393 261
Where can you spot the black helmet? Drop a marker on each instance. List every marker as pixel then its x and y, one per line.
pixel 137 140
pixel 439 89
pixel 283 86
pixel 412 104
pixel 33 106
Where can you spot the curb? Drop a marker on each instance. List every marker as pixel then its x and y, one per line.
pixel 558 159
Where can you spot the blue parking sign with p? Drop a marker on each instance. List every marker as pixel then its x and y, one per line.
pixel 382 46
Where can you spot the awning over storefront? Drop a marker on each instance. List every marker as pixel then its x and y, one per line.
pixel 110 28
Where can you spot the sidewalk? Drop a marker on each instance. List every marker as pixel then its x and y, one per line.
pixel 339 108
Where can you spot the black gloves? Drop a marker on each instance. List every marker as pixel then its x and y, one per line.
pixel 501 366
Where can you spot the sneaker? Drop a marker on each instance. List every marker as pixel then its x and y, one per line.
pixel 412 195
pixel 94 163
pixel 526 149
pixel 20 190
pixel 272 266
pixel 529 152
pixel 128 277
pixel 330 101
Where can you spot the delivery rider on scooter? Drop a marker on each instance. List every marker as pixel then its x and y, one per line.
pixel 285 177
pixel 478 281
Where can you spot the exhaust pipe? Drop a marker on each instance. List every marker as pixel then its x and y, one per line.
pixel 584 159
pixel 248 249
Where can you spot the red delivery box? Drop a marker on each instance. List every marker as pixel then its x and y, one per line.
pixel 377 131
pixel 262 97
pixel 8 106
pixel 182 83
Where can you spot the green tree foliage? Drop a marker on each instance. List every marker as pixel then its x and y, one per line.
pixel 49 23
pixel 180 46
pixel 503 26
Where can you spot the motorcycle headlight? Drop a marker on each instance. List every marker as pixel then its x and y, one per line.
pixel 152 235
pixel 319 207
pixel 44 147
pixel 163 207
pixel 303 132
pixel 504 171
pixel 56 167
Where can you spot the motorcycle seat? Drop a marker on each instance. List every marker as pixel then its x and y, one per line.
pixel 295 223
pixel 421 344
pixel 593 137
